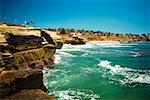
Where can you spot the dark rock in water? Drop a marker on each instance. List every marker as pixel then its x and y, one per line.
pixel 47 37
pixel 76 41
pixel 59 45
pixel 21 40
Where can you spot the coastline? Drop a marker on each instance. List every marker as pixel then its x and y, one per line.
pixel 25 51
pixel 117 41
pixel 103 41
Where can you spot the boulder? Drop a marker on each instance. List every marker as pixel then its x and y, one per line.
pixel 59 45
pixel 76 41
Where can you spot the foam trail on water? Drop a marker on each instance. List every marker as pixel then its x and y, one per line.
pixel 57 59
pixel 106 44
pixel 130 75
pixel 65 54
pixel 75 94
pixel 102 44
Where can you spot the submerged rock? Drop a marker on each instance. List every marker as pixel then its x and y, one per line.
pixel 59 45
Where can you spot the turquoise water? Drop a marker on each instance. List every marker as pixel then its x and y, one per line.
pixel 100 71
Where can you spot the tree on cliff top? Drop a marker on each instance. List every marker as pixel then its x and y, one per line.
pixel 62 31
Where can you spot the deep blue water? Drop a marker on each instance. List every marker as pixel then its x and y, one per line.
pixel 100 71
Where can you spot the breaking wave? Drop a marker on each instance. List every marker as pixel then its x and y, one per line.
pixel 65 54
pixel 59 77
pixel 57 59
pixel 75 94
pixel 129 75
pixel 94 44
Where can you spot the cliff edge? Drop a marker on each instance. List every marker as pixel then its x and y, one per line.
pixel 24 51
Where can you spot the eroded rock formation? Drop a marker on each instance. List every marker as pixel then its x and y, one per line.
pixel 24 52
pixel 75 41
pixel 68 34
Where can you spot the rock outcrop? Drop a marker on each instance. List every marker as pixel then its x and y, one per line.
pixel 24 51
pixel 13 81
pixel 68 34
pixel 75 41
pixel 30 94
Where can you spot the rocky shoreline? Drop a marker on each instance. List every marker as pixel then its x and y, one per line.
pixel 68 34
pixel 24 51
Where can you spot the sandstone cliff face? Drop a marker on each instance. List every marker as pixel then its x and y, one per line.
pixel 115 38
pixel 68 34
pixel 30 94
pixel 12 81
pixel 24 51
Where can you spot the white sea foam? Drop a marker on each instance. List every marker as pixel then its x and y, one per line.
pixel 57 59
pixel 130 75
pixel 72 94
pixel 101 44
pixel 135 54
pixel 47 73
pixel 65 54
pixel 88 45
pixel 86 48
pixel 87 70
pixel 58 77
pixel 106 44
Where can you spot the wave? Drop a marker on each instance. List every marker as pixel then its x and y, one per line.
pixel 67 46
pixel 88 47
pixel 65 54
pixel 57 59
pixel 129 75
pixel 109 44
pixel 59 55
pixel 75 94
pixel 97 44
pixel 56 76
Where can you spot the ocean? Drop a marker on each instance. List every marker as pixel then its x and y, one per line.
pixel 100 71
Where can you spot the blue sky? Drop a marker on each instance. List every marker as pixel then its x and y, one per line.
pixel 121 16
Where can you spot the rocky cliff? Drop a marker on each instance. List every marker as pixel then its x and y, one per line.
pixel 24 51
pixel 68 34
